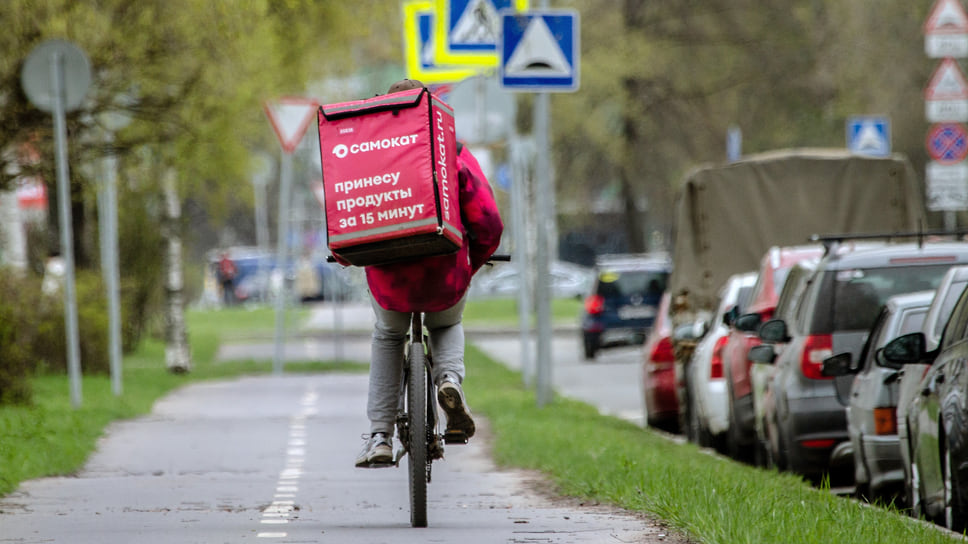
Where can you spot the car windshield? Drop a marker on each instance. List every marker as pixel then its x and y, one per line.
pixel 613 283
pixel 858 294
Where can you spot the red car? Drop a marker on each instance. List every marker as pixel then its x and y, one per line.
pixel 741 435
pixel 659 373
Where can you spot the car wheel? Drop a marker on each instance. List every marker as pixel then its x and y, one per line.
pixel 954 514
pixel 913 491
pixel 693 427
pixel 762 456
pixel 591 347
pixel 862 488
pixel 734 440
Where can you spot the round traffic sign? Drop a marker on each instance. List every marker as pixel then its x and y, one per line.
pixel 947 143
pixel 37 79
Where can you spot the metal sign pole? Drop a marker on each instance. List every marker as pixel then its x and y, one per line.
pixel 282 255
pixel 108 209
pixel 521 156
pixel 66 239
pixel 114 278
pixel 543 286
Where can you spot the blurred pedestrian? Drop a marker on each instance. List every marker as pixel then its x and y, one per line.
pixel 227 271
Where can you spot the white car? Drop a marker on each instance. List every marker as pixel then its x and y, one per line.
pixel 708 415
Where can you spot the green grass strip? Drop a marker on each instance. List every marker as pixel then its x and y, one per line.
pixel 714 499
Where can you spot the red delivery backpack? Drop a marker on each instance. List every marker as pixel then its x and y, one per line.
pixel 390 177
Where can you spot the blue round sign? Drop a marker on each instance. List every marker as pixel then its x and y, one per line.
pixel 947 143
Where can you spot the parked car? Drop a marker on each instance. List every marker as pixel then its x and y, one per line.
pixel 936 419
pixel 872 407
pixel 623 301
pixel 834 315
pixel 705 381
pixel 659 374
pixel 761 375
pixel 772 273
pixel 945 297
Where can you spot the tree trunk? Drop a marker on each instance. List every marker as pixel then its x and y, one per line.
pixel 177 354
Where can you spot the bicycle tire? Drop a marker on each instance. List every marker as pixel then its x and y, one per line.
pixel 419 434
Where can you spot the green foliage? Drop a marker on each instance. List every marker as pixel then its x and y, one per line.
pixel 49 348
pixel 18 318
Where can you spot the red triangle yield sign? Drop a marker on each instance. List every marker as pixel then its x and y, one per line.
pixel 946 17
pixel 947 83
pixel 289 118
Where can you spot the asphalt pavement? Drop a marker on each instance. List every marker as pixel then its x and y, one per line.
pixel 270 459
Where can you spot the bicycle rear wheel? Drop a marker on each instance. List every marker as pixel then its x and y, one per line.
pixel 419 434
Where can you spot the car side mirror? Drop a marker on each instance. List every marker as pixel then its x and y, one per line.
pixel 903 350
pixel 774 331
pixel 747 322
pixel 882 361
pixel 730 316
pixel 762 353
pixel 838 365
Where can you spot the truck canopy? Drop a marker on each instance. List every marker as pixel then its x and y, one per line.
pixel 728 216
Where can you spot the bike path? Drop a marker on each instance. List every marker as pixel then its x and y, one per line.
pixel 270 459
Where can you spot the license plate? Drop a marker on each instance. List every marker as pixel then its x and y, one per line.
pixel 636 312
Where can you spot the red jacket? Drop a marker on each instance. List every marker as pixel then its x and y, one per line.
pixel 433 284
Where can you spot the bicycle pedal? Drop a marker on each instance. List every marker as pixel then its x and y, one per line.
pixel 455 437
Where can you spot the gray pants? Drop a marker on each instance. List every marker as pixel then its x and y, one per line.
pixel 386 360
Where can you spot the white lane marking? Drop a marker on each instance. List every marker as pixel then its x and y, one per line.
pixel 278 512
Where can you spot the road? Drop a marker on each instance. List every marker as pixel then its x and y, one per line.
pixel 269 459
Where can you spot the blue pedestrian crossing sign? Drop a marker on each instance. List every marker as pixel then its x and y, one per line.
pixel 469 30
pixel 869 136
pixel 540 51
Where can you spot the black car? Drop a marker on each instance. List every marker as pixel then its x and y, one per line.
pixel 623 301
pixel 806 419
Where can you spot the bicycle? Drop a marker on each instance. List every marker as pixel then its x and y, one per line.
pixel 417 416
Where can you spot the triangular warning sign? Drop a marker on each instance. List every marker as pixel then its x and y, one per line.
pixel 869 139
pixel 947 83
pixel 538 53
pixel 947 17
pixel 479 23
pixel 290 117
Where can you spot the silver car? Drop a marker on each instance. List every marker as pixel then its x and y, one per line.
pixel 871 409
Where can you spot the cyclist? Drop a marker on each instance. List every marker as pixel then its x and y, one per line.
pixel 436 286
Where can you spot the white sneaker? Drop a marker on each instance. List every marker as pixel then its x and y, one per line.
pixel 377 451
pixel 450 396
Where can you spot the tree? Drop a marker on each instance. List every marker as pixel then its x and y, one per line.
pixel 191 75
pixel 663 80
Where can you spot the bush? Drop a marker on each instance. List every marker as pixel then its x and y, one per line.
pixel 18 318
pixel 50 342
